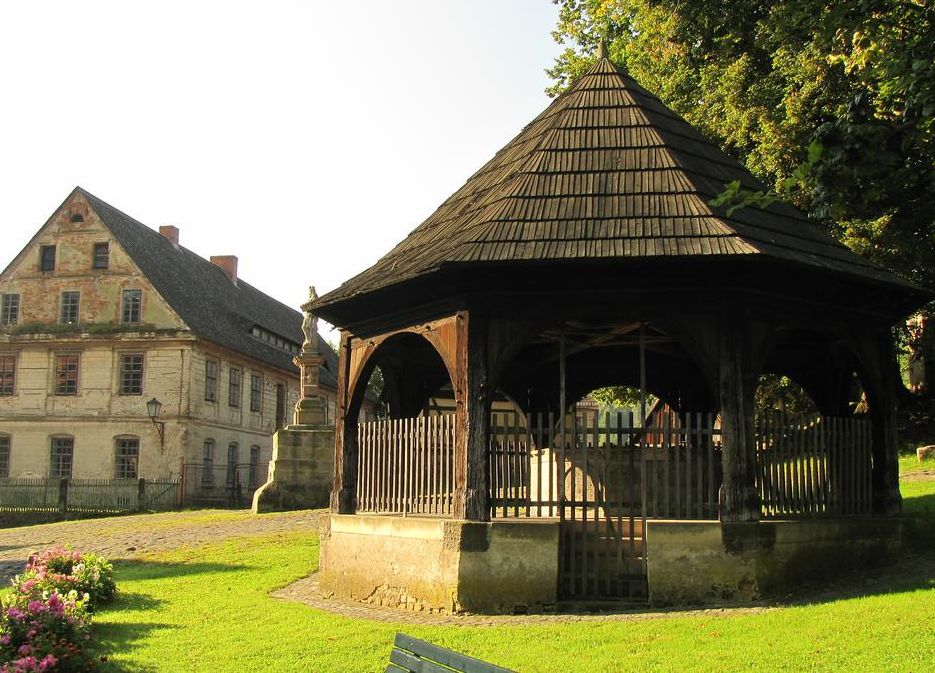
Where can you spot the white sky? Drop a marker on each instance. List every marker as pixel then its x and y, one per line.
pixel 307 138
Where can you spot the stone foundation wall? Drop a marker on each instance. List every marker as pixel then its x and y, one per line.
pixel 440 565
pixel 708 562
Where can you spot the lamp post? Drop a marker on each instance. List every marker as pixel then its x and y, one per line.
pixel 153 407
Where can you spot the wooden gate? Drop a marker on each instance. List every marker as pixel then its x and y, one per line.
pixel 602 476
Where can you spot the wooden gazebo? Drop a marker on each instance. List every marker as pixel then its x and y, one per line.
pixel 587 253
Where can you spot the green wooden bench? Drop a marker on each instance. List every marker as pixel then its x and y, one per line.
pixel 411 655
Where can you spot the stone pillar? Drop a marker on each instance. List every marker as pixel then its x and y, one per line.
pixel 301 469
pixel 738 498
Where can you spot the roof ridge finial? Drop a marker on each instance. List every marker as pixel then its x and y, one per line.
pixel 602 51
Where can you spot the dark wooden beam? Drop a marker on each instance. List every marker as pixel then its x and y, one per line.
pixel 471 418
pixel 887 500
pixel 344 493
pixel 738 498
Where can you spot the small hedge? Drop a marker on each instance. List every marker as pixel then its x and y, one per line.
pixel 45 621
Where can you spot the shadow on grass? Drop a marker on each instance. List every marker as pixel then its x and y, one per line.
pixel 922 506
pixel 131 569
pixel 110 638
pixel 914 571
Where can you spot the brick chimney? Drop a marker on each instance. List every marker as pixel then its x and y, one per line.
pixel 228 264
pixel 170 232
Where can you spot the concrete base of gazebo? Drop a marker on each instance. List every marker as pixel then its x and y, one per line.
pixel 440 565
pixel 704 562
pixel 509 566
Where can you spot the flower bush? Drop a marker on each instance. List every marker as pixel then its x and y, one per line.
pixel 46 619
pixel 63 570
pixel 46 633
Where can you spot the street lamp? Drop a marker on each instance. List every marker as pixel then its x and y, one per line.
pixel 153 407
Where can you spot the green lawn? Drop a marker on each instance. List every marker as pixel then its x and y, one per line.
pixel 909 465
pixel 207 609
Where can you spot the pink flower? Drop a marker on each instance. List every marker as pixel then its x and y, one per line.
pixel 5 639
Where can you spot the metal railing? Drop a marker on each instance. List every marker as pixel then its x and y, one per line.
pixel 221 484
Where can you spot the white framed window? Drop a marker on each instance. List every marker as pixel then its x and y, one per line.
pixel 61 455
pixel 9 309
pixel 126 458
pixel 68 313
pixel 131 302
pixel 131 374
pixel 207 462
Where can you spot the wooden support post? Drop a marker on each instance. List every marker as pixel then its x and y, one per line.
pixel 887 500
pixel 344 495
pixel 560 450
pixel 471 498
pixel 643 375
pixel 738 498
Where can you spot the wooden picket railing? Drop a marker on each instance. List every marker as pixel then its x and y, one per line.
pixel 813 465
pixel 30 494
pixel 606 466
pixel 406 465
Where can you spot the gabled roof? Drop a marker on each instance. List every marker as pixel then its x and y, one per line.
pixel 204 297
pixel 605 172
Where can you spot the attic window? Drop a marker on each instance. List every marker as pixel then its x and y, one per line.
pixel 101 256
pixel 47 258
pixel 274 340
pixel 76 218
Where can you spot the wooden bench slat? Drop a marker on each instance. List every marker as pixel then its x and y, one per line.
pixel 415 664
pixel 441 655
pixel 393 668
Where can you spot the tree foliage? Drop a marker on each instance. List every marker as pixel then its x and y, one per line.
pixel 780 393
pixel 620 397
pixel 831 105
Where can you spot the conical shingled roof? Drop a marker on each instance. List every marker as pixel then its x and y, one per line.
pixel 605 172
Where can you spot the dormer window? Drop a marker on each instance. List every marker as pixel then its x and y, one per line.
pixel 47 258
pixel 274 340
pixel 101 256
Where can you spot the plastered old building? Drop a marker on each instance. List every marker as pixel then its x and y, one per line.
pixel 99 314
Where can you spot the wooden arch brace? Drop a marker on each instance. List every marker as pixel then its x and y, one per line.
pixel 461 344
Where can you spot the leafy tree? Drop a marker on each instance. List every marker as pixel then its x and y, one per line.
pixel 831 105
pixel 780 393
pixel 620 396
